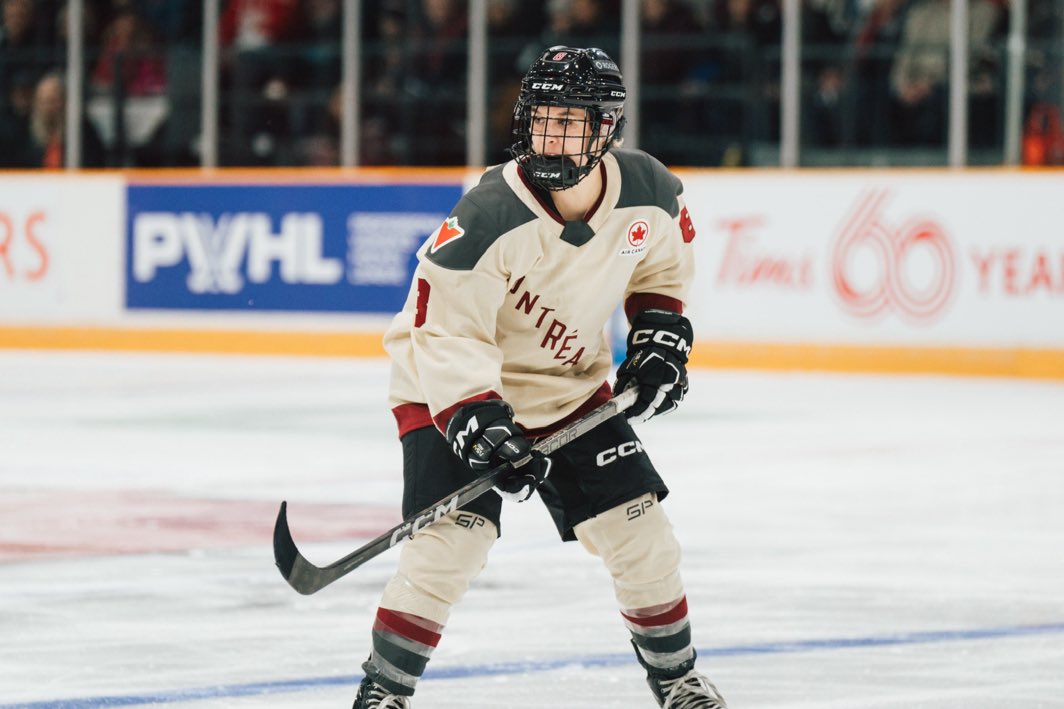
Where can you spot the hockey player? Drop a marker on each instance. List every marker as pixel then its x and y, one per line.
pixel 501 341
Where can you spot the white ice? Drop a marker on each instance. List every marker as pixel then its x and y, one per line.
pixel 850 542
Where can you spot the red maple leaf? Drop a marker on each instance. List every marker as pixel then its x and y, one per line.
pixel 638 234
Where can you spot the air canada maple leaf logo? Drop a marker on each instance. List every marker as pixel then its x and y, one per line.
pixel 637 232
pixel 449 231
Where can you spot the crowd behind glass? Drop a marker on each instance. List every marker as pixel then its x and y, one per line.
pixel 874 79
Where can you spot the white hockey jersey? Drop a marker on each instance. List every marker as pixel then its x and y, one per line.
pixel 510 301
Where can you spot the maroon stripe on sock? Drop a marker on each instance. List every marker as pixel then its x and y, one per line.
pixel 397 624
pixel 677 613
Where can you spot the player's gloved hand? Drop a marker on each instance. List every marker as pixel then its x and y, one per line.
pixel 658 345
pixel 483 434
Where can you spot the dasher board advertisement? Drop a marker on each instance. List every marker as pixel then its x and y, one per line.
pixel 910 258
pixel 336 248
pixel 59 248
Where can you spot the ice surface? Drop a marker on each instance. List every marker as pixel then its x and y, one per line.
pixel 850 541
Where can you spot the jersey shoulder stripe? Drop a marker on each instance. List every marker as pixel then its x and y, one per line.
pixel 484 214
pixel 646 182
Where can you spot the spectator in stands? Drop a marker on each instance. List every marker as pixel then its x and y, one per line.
pixel 1045 19
pixel 670 37
pixel 322 46
pixel 259 69
pixel 757 20
pixel 387 55
pixel 576 23
pixel 303 119
pixel 920 71
pixel 128 55
pixel 441 34
pixel 249 25
pixel 876 41
pixel 130 72
pixel 48 122
pixel 512 24
pixel 438 83
pixel 22 51
pixel 16 23
pixel 319 143
pixel 317 151
pixel 555 31
pixel 739 100
pixel 669 30
pixel 15 110
pixel 92 13
pixel 386 70
pixel 596 23
pixel 831 22
pixel 823 118
pixel 826 28
pixel 47 129
pixel 175 21
pixel 20 25
pixel 1044 100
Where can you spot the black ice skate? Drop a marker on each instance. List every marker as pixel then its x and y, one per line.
pixel 373 696
pixel 681 687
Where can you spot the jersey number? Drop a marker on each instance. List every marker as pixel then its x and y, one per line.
pixel 422 302
pixel 686 227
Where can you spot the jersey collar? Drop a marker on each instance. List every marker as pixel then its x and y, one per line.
pixel 542 196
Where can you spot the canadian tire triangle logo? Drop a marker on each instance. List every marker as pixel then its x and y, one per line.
pixel 449 231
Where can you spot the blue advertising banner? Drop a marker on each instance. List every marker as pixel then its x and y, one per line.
pixel 346 248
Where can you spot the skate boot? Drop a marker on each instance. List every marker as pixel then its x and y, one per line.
pixel 373 696
pixel 681 687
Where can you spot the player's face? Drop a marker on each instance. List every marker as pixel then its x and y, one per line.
pixel 560 130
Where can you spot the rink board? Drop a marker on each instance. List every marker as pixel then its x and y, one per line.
pixel 896 271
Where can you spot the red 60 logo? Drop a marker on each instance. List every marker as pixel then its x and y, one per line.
pixel 915 267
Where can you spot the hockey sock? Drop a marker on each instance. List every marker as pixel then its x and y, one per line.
pixel 402 644
pixel 661 633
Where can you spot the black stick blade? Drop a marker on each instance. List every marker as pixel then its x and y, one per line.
pixel 303 576
pixel 285 553
pixel 284 547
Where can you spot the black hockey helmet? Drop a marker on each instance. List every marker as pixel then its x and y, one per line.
pixel 569 77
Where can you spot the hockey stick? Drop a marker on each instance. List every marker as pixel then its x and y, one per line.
pixel 307 578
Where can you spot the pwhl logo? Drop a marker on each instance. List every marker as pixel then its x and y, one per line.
pixel 221 251
pixel 877 266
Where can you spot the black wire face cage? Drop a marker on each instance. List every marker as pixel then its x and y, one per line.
pixel 570 97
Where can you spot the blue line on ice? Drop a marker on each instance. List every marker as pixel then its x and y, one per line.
pixel 506 668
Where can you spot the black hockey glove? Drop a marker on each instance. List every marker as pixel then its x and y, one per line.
pixel 483 434
pixel 658 345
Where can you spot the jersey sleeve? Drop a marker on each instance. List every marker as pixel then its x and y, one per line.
pixel 461 282
pixel 663 278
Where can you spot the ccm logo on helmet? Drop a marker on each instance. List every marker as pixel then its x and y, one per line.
pixel 661 337
pixel 547 87
pixel 611 454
